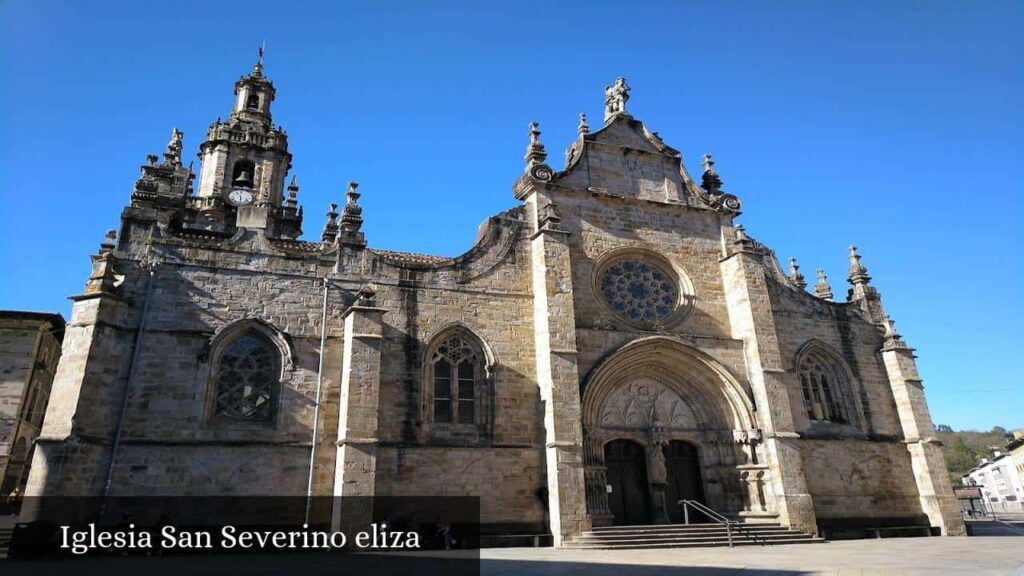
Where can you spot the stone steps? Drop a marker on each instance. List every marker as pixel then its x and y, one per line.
pixel 681 529
pixel 684 536
pixel 5 541
pixel 688 536
pixel 515 540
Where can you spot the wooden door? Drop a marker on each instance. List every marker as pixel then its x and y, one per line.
pixel 627 475
pixel 682 463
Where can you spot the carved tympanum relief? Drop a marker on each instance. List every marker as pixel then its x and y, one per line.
pixel 646 404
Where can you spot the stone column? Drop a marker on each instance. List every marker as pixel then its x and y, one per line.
pixel 927 461
pixel 557 371
pixel 751 320
pixel 596 478
pixel 358 411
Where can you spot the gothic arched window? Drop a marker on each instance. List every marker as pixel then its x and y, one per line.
pixel 247 377
pixel 457 390
pixel 825 387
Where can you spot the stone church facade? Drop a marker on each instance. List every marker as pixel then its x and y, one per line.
pixel 611 344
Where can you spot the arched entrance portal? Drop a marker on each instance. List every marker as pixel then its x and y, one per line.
pixel 628 495
pixel 662 422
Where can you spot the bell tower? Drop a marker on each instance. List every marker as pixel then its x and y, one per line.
pixel 245 161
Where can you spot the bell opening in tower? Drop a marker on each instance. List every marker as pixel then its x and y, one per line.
pixel 241 176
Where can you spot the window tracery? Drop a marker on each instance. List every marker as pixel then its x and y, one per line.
pixel 641 289
pixel 457 367
pixel 825 388
pixel 247 377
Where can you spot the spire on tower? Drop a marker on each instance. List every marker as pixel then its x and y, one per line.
pixel 257 70
pixel 253 94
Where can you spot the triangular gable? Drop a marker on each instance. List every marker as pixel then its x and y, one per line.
pixel 625 159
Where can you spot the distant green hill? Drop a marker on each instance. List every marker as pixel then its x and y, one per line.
pixel 965 448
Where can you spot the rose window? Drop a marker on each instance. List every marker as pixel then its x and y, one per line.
pixel 639 291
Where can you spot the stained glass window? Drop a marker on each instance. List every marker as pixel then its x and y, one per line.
pixel 247 376
pixel 442 392
pixel 817 381
pixel 639 290
pixel 457 371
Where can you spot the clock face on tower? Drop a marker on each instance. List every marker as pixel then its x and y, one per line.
pixel 240 197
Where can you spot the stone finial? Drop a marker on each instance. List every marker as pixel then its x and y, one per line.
pixel 535 152
pixel 893 340
pixel 104 278
pixel 615 97
pixel 710 180
pixel 708 162
pixel 352 215
pixel 890 328
pixel 109 242
pixel 744 243
pixel 293 193
pixel 331 227
pixel 583 127
pixel 795 275
pixel 858 273
pixel 151 159
pixel 821 287
pixel 536 156
pixel 172 155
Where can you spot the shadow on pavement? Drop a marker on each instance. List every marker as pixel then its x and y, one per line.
pixel 309 564
pixel 501 567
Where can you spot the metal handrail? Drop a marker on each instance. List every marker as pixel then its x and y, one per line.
pixel 719 519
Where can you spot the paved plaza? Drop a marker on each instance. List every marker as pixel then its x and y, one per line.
pixel 974 556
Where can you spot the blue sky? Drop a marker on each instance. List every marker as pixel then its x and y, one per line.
pixel 894 125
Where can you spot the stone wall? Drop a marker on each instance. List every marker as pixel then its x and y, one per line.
pixel 171 442
pixel 507 479
pixel 860 479
pixel 29 353
pixel 802 318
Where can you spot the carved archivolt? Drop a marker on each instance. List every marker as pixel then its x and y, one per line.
pixel 647 404
pixel 643 385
